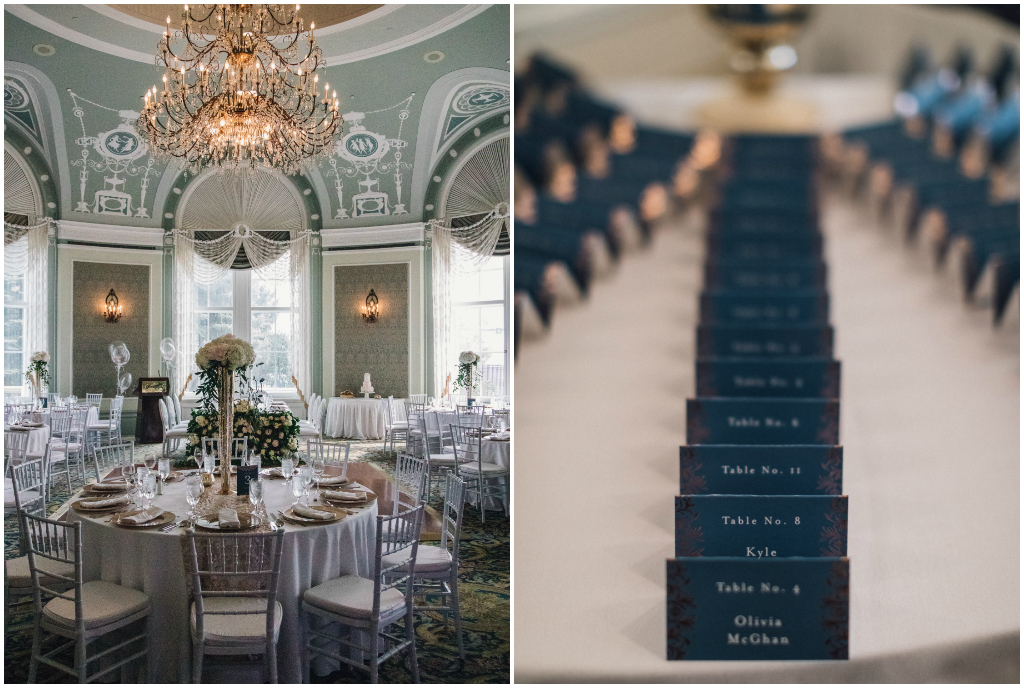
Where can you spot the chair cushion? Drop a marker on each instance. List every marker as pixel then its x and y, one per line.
pixel 64 446
pixel 488 468
pixel 442 460
pixel 102 603
pixel 240 628
pixel 98 426
pixel 20 576
pixel 400 425
pixel 352 596
pixel 429 559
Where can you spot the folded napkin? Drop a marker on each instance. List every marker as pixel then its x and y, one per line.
pixel 143 516
pixel 104 503
pixel 340 496
pixel 276 472
pixel 500 436
pixel 109 487
pixel 306 512
pixel 332 480
pixel 228 518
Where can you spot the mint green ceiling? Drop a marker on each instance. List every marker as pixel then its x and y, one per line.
pixel 476 41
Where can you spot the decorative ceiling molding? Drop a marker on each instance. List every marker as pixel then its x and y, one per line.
pixel 372 236
pixel 439 27
pixel 433 118
pixel 157 27
pixel 89 232
pixel 56 28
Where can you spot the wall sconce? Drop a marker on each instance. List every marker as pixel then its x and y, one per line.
pixel 371 310
pixel 111 309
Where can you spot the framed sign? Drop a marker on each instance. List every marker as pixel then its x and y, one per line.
pixel 154 386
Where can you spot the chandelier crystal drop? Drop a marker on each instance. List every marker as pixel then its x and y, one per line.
pixel 240 88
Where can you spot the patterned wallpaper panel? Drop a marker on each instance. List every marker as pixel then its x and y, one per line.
pixel 381 348
pixel 91 368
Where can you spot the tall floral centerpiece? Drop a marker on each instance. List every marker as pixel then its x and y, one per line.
pixel 38 373
pixel 218 362
pixel 468 374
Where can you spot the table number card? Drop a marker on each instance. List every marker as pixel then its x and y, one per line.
pixel 749 609
pixel 755 274
pixel 723 420
pixel 761 469
pixel 761 526
pixel 758 308
pixel 764 340
pixel 768 377
pixel 245 475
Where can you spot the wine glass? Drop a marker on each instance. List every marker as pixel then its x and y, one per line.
pixel 150 462
pixel 305 479
pixel 319 466
pixel 298 489
pixel 128 473
pixel 287 467
pixel 193 491
pixel 148 489
pixel 256 497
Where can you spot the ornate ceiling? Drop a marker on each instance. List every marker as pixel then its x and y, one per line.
pixel 414 79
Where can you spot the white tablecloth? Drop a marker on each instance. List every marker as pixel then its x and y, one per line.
pixel 152 561
pixel 358 419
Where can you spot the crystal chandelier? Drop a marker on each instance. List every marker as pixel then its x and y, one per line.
pixel 242 87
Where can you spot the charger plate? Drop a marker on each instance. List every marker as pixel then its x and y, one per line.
pixel 290 516
pixel 161 520
pixel 81 506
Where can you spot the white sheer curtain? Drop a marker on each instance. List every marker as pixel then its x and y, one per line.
pixel 205 261
pixel 301 312
pixel 25 253
pixel 184 319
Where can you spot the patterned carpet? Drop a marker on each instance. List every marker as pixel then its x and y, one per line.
pixel 483 586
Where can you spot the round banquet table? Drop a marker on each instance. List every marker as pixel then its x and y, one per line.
pixel 38 437
pixel 356 418
pixel 153 562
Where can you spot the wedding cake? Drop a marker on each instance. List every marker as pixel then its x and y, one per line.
pixel 367 388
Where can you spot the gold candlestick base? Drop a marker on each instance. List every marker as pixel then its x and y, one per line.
pixel 742 112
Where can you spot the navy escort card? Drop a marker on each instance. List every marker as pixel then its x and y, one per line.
pixel 768 377
pixel 776 307
pixel 757 247
pixel 749 274
pixel 761 526
pixel 740 420
pixel 750 609
pixel 766 340
pixel 792 469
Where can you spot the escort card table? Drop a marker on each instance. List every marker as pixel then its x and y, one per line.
pixel 930 416
pixel 149 560
pixel 357 418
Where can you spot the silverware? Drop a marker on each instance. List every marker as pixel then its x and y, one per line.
pixel 169 526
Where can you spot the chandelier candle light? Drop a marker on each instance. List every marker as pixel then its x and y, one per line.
pixel 240 86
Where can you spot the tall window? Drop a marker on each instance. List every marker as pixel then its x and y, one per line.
pixel 15 308
pixel 480 323
pixel 257 310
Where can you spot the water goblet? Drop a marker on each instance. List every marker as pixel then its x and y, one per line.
pixel 319 466
pixel 148 490
pixel 298 489
pixel 164 468
pixel 150 462
pixel 193 491
pixel 128 473
pixel 209 463
pixel 256 497
pixel 306 479
pixel 287 468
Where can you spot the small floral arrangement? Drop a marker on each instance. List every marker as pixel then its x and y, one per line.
pixel 277 433
pixel 38 373
pixel 468 375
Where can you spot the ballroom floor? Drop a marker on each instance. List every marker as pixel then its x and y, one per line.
pixel 484 584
